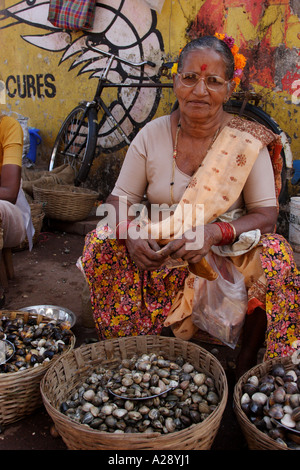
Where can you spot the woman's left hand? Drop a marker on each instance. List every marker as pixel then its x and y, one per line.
pixel 193 246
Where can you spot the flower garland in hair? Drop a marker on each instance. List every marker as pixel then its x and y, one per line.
pixel 239 59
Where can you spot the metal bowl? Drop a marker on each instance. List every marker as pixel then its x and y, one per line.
pixel 53 311
pixel 7 350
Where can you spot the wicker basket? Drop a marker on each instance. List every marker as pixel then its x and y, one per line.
pixel 67 373
pixel 20 391
pixel 65 202
pixel 37 217
pixel 256 439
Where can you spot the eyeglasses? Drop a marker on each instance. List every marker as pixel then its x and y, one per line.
pixel 212 82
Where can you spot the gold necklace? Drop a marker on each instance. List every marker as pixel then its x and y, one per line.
pixel 175 156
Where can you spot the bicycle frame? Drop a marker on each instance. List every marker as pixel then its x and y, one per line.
pixel 103 83
pixel 103 77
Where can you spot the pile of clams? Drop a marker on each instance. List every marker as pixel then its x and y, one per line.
pixel 144 394
pixel 29 344
pixel 272 404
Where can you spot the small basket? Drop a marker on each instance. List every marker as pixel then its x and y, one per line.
pixel 65 202
pixel 256 439
pixel 70 371
pixel 20 391
pixel 37 217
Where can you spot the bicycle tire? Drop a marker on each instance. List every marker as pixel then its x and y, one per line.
pixel 255 113
pixel 81 152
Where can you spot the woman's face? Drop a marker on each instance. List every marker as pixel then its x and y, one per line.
pixel 198 101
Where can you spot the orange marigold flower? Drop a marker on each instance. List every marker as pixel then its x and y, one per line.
pixel 235 49
pixel 240 61
pixel 237 82
pixel 220 36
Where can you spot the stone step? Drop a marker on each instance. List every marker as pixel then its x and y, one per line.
pixel 81 227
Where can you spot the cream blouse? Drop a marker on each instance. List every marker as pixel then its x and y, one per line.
pixel 147 171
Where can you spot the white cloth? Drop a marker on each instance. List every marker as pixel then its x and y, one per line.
pixel 24 207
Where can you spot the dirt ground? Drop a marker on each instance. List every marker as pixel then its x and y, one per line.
pixel 48 275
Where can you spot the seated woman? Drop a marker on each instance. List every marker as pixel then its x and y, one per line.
pixel 197 155
pixel 14 210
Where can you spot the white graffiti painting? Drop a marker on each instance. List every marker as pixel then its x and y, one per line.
pixel 125 28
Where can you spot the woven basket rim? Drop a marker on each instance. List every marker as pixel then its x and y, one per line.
pixel 139 437
pixel 64 189
pixel 242 417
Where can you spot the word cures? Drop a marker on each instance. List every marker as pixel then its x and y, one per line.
pixel 28 86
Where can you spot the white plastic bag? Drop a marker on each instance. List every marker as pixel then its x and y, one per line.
pixel 24 207
pixel 220 306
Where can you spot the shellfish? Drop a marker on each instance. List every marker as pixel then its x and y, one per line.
pixel 33 343
pixel 158 396
pixel 272 404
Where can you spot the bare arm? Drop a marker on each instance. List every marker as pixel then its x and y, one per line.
pixel 10 182
pixel 262 218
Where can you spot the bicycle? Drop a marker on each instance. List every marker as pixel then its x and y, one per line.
pixel 76 141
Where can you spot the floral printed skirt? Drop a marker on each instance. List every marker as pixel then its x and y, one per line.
pixel 128 302
pixel 125 300
pixel 282 296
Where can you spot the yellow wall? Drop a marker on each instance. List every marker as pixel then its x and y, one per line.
pixel 268 35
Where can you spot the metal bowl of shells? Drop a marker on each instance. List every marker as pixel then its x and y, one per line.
pixel 267 405
pixel 52 311
pixel 141 392
pixel 29 344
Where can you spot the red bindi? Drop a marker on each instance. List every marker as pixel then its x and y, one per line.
pixel 203 67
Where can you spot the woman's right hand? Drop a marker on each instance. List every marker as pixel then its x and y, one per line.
pixel 191 250
pixel 143 252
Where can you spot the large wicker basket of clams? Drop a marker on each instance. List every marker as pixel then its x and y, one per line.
pixel 29 345
pixel 267 405
pixel 142 392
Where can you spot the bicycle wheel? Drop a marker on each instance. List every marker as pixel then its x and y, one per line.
pixel 254 113
pixel 75 142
